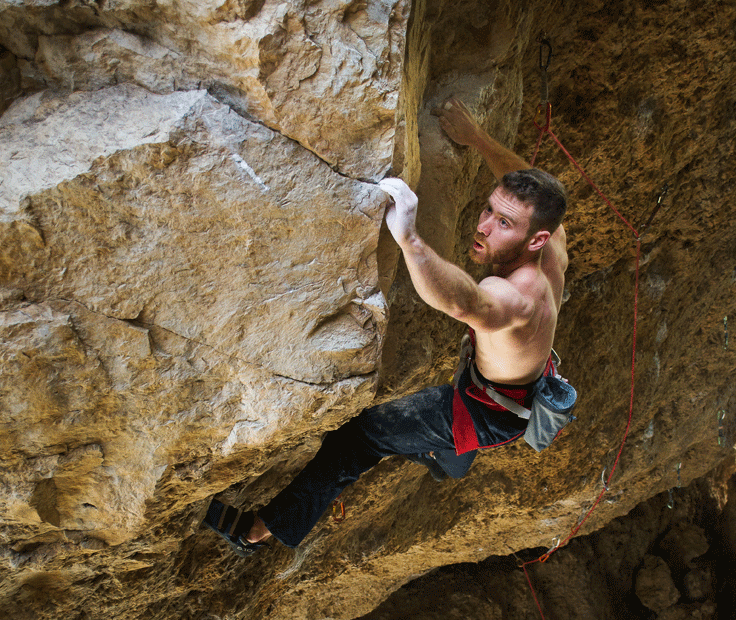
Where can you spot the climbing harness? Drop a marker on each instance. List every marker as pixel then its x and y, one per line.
pixel 544 128
pixel 552 404
pixel 553 398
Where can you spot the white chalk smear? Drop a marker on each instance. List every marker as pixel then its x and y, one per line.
pixel 249 171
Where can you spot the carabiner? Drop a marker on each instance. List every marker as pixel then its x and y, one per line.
pixel 725 333
pixel 551 550
pixel 660 198
pixel 338 505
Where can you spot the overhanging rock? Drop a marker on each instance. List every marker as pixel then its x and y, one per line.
pixel 325 73
pixel 169 270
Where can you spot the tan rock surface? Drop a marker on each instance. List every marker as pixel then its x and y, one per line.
pixel 168 333
pixel 144 303
pixel 595 576
pixel 324 73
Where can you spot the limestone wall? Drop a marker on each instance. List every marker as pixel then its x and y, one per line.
pixel 195 283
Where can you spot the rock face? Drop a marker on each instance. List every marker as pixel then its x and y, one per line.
pixel 602 575
pixel 130 281
pixel 324 73
pixel 654 585
pixel 195 285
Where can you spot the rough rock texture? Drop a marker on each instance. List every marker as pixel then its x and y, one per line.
pixel 192 286
pixel 128 278
pixel 654 585
pixel 598 575
pixel 324 73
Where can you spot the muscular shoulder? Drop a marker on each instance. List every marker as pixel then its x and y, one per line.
pixel 515 296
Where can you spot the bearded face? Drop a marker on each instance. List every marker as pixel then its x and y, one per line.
pixel 484 254
pixel 502 234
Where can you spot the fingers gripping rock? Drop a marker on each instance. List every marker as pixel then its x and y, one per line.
pixel 401 215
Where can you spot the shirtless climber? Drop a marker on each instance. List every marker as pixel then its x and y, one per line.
pixel 512 312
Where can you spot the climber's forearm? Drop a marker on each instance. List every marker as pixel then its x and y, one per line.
pixel 441 284
pixel 499 159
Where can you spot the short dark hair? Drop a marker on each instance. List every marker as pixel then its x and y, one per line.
pixel 541 190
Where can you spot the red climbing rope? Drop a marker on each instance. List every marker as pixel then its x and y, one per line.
pixel 545 129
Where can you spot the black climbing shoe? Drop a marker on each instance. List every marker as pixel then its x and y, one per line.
pixel 233 525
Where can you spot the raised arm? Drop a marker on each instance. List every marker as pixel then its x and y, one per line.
pixel 459 124
pixel 492 305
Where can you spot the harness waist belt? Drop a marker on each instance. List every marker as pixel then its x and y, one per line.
pixel 501 399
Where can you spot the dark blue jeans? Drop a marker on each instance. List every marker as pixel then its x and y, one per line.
pixel 417 424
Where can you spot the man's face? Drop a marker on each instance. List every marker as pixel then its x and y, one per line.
pixel 502 233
